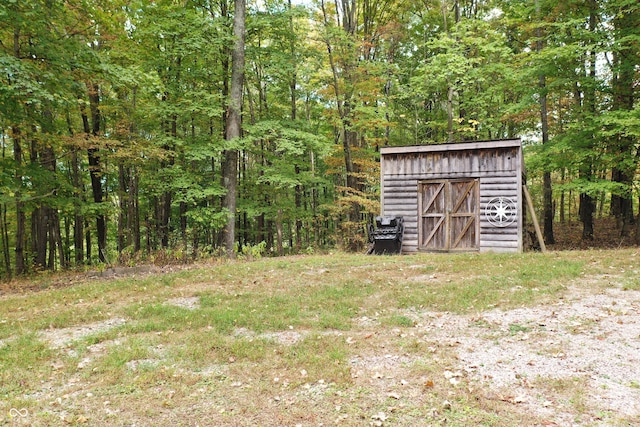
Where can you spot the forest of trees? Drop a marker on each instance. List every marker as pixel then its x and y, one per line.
pixel 132 130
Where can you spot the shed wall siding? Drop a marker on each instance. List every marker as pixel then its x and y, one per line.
pixel 499 173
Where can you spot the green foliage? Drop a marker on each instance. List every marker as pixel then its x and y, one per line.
pixel 254 251
pixel 152 79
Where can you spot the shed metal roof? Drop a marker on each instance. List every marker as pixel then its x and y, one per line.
pixel 457 146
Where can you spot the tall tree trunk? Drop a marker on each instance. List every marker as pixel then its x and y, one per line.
pixel 625 61
pixel 544 120
pixel 350 137
pixel 39 220
pixel 234 126
pixel 67 239
pixel 52 235
pixel 4 225
pixel 562 200
pixel 20 215
pixel 219 238
pixel 132 213
pixel 586 210
pixel 17 155
pixel 78 199
pixel 134 209
pixel 183 224
pixel 637 237
pixel 165 216
pixel 298 200
pixel 294 113
pixel 87 240
pixel 294 76
pixel 450 137
pixel 279 233
pixel 78 223
pixel 51 221
pixel 587 202
pixel 63 254
pixel 95 169
pixel 344 100
pixel 122 211
pixel 39 215
pixel 4 234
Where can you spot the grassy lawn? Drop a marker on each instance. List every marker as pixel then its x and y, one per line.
pixel 308 340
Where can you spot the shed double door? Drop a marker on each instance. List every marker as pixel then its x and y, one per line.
pixel 448 215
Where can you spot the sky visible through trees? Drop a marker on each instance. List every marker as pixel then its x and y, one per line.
pixel 114 118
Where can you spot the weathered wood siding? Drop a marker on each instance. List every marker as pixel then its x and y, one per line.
pixel 496 164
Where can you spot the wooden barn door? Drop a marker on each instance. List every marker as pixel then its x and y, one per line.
pixel 448 219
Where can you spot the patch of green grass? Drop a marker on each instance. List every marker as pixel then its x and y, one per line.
pixel 634 384
pixel 322 357
pixel 515 328
pixel 397 320
pixel 243 349
pixel 194 347
pixel 482 323
pixel 336 305
pixel 330 306
pixel 135 356
pixel 128 389
pixel 31 318
pixel 162 317
pixel 415 346
pixel 466 411
pixel 631 283
pixel 331 320
pixel 87 301
pixel 256 311
pixel 572 390
pixel 23 361
pixel 199 348
pixel 488 280
pixel 135 348
pixel 67 317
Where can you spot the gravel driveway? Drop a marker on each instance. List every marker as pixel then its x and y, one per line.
pixel 553 360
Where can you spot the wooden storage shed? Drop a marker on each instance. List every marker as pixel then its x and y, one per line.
pixel 455 197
